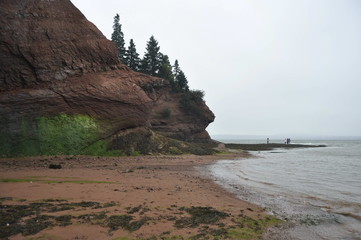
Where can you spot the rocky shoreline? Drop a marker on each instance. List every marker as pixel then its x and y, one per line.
pixel 267 147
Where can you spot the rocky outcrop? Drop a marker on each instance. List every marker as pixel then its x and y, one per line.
pixel 48 41
pixel 169 118
pixel 53 61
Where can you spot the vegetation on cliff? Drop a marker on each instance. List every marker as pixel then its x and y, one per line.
pixel 154 63
pixel 59 135
pixel 82 135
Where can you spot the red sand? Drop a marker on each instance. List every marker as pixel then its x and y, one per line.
pixel 161 184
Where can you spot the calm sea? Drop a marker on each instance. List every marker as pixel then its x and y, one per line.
pixel 318 190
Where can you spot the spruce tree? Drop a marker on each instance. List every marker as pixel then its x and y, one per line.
pixel 151 61
pixel 182 82
pixel 118 37
pixel 132 57
pixel 165 70
pixel 176 68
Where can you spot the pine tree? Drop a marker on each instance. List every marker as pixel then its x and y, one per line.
pixel 132 57
pixel 165 70
pixel 118 37
pixel 151 61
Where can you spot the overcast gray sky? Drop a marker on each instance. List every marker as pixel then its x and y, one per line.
pixel 267 67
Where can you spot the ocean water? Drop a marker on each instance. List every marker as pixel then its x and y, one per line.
pixel 317 190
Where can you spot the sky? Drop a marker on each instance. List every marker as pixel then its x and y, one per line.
pixel 275 67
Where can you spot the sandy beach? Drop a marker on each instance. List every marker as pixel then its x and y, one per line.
pixel 143 197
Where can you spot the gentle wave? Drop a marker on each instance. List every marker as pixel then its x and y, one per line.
pixel 321 184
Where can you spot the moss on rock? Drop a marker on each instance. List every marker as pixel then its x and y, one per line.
pixel 145 141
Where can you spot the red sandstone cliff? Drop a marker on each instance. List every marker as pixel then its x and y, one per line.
pixel 48 41
pixel 52 61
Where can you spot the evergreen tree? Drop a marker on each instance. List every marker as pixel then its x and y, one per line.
pixel 118 37
pixel 176 68
pixel 165 70
pixel 182 82
pixel 132 57
pixel 151 61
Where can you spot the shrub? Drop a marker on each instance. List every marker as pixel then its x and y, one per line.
pixel 197 95
pixel 166 113
pixel 191 101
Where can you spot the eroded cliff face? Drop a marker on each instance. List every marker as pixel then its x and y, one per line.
pixel 48 41
pixel 54 61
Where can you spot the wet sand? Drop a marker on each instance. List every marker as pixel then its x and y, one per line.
pixel 160 195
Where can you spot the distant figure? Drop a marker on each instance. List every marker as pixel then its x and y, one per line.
pixel 289 140
pixel 267 140
pixel 285 140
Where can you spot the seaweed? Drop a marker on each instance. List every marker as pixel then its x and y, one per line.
pixel 207 222
pixel 29 219
pixel 108 204
pixel 249 228
pixel 64 220
pixel 134 209
pixel 35 225
pixel 87 204
pixel 114 222
pixel 200 215
pixel 93 218
pixel 135 225
pixel 61 207
pixel 54 200
pixel 5 199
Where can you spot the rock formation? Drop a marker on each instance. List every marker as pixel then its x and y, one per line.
pixel 53 61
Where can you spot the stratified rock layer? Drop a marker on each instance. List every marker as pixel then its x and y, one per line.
pixel 47 41
pixel 53 61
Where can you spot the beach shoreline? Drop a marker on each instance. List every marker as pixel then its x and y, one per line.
pixel 160 193
pixel 314 190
